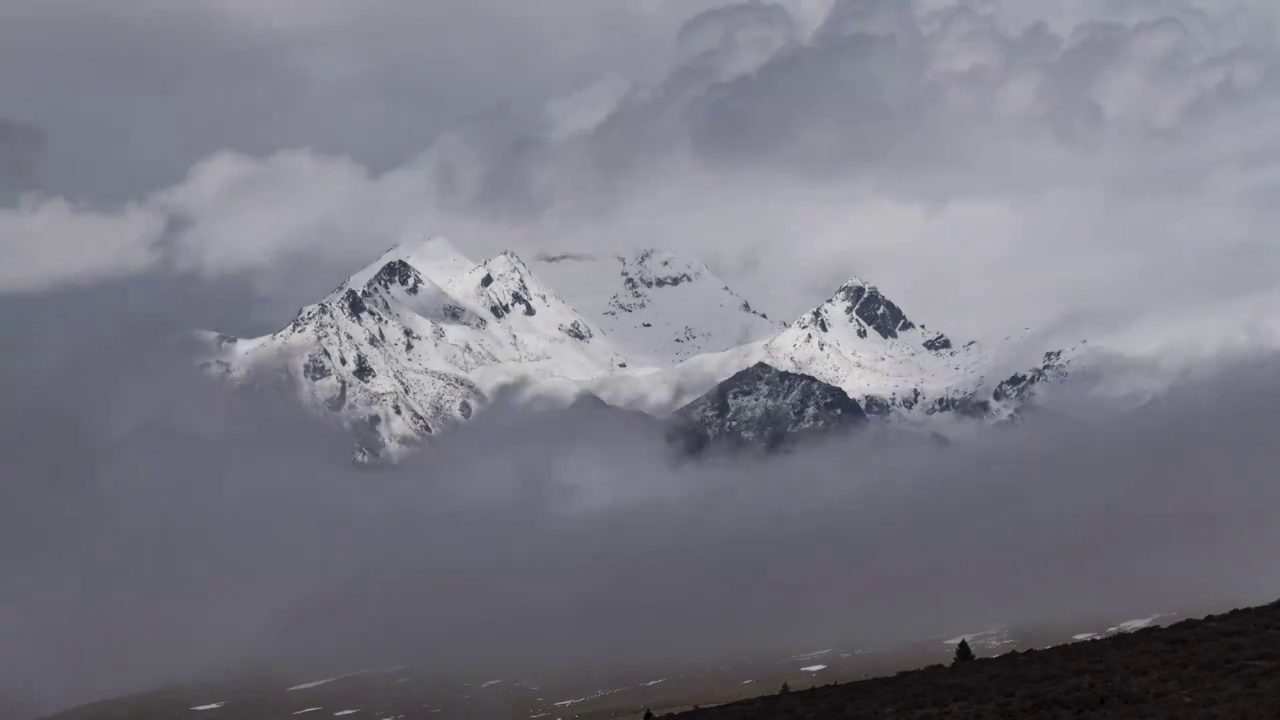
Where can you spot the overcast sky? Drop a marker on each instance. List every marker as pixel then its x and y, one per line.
pixel 1092 168
pixel 1082 166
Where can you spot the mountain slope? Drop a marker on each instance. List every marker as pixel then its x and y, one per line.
pixel 763 407
pixel 863 343
pixel 660 308
pixel 393 352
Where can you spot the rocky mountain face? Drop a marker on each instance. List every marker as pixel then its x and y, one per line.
pixel 421 340
pixel 392 353
pixel 763 407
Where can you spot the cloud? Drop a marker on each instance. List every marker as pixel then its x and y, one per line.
pixel 533 542
pixel 136 92
pixel 21 147
pixel 1094 171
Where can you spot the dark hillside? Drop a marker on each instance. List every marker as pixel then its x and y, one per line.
pixel 1225 666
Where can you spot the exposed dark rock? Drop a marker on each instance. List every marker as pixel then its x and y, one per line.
pixel 315 368
pixel 457 314
pixel 420 423
pixel 764 408
pixel 874 310
pixel 970 406
pixel 1017 386
pixel 487 280
pixel 363 371
pixel 577 331
pixel 354 304
pixel 938 343
pixel 909 400
pixel 875 406
pixel 398 272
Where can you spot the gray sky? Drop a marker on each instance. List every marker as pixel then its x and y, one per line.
pixel 1089 169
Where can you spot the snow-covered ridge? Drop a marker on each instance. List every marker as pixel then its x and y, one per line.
pixel 391 353
pixel 421 339
pixel 660 308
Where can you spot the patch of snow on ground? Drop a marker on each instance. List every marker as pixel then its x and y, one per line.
pixel 653 682
pixel 491 683
pixel 814 668
pixel 1084 636
pixel 1140 623
pixel 340 713
pixel 308 710
pixel 995 638
pixel 812 655
pixel 326 681
pixel 213 706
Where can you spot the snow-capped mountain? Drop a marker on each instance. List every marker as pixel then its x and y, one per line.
pixel 423 337
pixel 861 341
pixel 658 307
pixel 399 351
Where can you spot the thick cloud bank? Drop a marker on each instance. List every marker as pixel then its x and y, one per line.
pixel 1085 170
pixel 202 531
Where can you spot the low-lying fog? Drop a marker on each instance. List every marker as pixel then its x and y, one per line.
pixel 157 528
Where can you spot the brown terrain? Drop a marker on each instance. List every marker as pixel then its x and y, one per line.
pixel 1225 666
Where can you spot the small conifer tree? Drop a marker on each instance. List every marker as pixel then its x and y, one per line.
pixel 964 653
pixel 786 688
pixel 648 714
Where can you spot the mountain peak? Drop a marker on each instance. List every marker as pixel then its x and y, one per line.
pixel 764 407
pixel 862 300
pixel 396 273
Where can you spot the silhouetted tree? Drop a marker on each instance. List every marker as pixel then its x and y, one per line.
pixel 964 653
pixel 648 714
pixel 786 688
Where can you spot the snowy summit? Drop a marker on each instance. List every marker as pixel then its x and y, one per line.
pixel 421 339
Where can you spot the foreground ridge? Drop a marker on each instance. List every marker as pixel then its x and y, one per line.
pixel 1223 666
